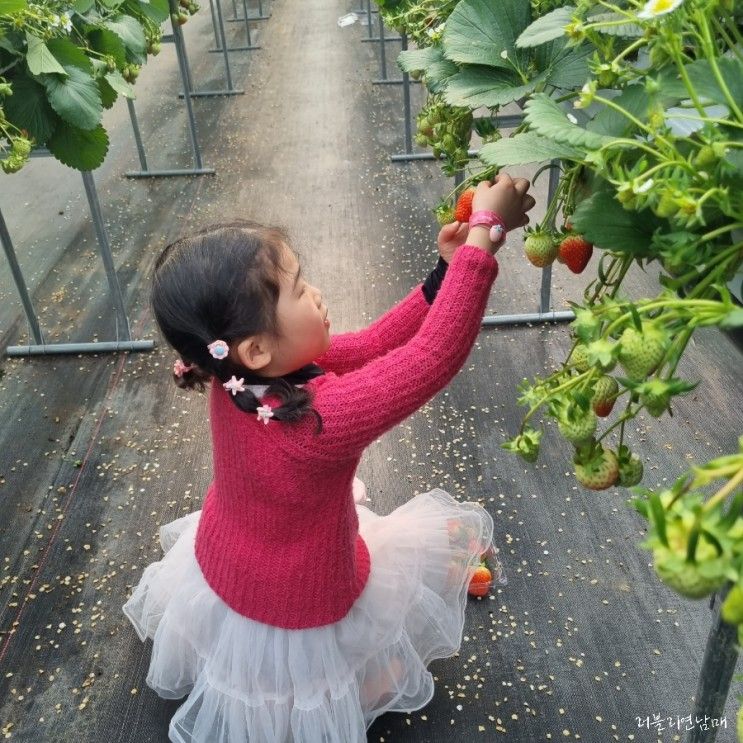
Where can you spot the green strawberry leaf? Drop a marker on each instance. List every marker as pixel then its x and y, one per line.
pixel 130 31
pixel 545 117
pixel 28 108
pixel 548 27
pixel 78 148
pixel 68 54
pixel 605 223
pixel 480 32
pixel 107 42
pixel 76 98
pixel 39 59
pixel 526 147
pixel 156 10
pixel 477 85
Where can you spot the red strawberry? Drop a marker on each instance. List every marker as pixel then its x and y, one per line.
pixel 480 581
pixel 575 252
pixel 463 209
pixel 605 393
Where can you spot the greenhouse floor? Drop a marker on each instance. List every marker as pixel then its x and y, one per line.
pixel 96 452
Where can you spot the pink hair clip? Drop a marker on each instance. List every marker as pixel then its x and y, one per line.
pixel 219 349
pixel 179 368
pixel 264 413
pixel 235 385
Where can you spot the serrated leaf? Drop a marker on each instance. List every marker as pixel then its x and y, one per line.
pixel 108 94
pixel 121 86
pixel 7 7
pixel 419 59
pixel 28 108
pixel 527 147
pixel 129 31
pixel 107 42
pixel 548 27
pixel 635 100
pixel 155 10
pixel 480 31
pixel 605 223
pixel 75 98
pixel 477 86
pixel 78 148
pixel 438 75
pixel 39 59
pixel 83 6
pixel 67 53
pixel 546 118
pixel 567 69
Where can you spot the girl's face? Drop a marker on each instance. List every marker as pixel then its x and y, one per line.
pixel 303 322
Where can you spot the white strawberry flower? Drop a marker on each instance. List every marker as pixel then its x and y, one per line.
pixel 654 8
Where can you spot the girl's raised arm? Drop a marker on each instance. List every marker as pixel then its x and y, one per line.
pixel 359 406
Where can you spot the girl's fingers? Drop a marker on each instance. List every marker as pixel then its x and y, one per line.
pixel 528 202
pixel 521 185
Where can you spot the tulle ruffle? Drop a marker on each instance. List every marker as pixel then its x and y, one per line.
pixel 248 682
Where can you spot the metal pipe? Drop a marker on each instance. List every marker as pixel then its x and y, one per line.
pixel 60 348
pixel 524 319
pixel 19 281
pixel 137 134
pixel 382 50
pixel 180 52
pixel 105 250
pixel 406 102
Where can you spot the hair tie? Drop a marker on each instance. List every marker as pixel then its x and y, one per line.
pixel 219 349
pixel 179 368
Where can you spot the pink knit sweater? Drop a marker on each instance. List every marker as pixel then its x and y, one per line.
pixel 278 535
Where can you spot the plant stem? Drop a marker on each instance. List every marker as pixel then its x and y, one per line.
pixel 724 491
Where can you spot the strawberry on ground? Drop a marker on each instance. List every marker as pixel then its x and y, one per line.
pixel 605 393
pixel 540 247
pixel 480 581
pixel 575 252
pixel 463 209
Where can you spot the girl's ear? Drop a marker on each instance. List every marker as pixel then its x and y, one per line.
pixel 254 353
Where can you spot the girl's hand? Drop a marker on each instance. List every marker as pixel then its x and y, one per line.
pixel 506 197
pixel 451 236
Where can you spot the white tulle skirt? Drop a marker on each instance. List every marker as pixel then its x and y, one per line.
pixel 249 682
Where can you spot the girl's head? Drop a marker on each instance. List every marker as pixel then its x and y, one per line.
pixel 240 282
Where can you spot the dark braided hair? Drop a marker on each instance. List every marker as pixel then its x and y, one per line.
pixel 222 283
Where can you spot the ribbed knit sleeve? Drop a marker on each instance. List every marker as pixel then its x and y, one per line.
pixel 359 406
pixel 349 351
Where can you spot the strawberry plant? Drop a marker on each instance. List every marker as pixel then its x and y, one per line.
pixel 639 105
pixel 62 64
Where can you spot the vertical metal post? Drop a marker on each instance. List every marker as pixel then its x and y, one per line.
pixel 368 18
pixel 15 270
pixel 223 39
pixel 214 24
pixel 180 49
pixel 545 289
pixel 137 134
pixel 260 8
pixel 105 250
pixel 406 102
pixel 382 50
pixel 247 22
pixel 717 670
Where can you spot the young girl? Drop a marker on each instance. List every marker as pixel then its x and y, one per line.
pixel 284 609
